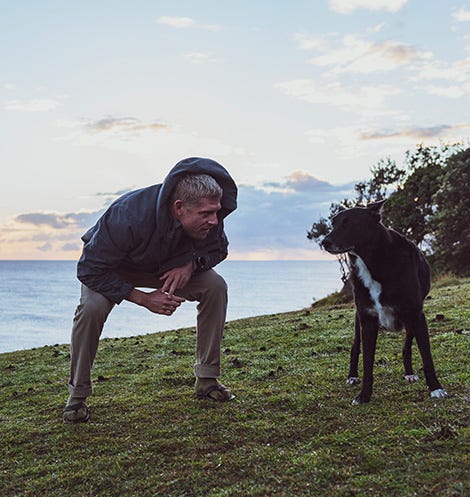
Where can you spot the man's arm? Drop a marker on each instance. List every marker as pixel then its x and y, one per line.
pixel 103 253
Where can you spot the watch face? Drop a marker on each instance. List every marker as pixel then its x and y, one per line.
pixel 201 262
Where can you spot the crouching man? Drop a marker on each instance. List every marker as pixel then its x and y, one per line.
pixel 165 237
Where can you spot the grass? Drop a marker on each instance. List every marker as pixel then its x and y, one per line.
pixel 292 430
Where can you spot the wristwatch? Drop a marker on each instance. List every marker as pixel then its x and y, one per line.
pixel 200 263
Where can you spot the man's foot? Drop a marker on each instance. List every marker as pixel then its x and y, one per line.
pixel 211 389
pixel 76 411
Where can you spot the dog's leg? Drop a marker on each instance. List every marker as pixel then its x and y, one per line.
pixel 369 331
pixel 421 333
pixel 410 376
pixel 353 376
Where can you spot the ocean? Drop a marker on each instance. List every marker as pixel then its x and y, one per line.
pixel 38 299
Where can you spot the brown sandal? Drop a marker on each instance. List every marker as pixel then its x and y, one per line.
pixel 75 408
pixel 217 392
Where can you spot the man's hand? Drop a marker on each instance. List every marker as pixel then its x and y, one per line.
pixel 177 277
pixel 156 301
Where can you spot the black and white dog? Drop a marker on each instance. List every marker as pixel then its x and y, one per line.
pixel 390 278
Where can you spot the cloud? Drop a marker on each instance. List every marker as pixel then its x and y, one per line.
pixel 352 54
pixel 58 221
pixel 275 217
pixel 34 105
pixel 461 15
pixel 271 221
pixel 345 140
pixel 71 247
pixel 176 22
pixel 365 100
pixel 297 182
pixel 423 133
pixel 186 22
pixel 196 57
pixel 45 235
pixel 124 125
pixel 451 80
pixel 113 194
pixel 349 6
pixel 356 55
pixel 46 247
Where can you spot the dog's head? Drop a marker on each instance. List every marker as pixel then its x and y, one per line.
pixel 353 228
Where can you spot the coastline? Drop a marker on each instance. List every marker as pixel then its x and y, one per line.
pixel 39 301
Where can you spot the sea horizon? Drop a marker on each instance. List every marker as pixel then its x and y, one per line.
pixel 38 298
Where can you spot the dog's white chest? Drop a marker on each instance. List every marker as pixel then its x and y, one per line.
pixel 384 314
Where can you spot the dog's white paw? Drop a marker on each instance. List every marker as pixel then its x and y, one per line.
pixel 439 393
pixel 352 380
pixel 411 378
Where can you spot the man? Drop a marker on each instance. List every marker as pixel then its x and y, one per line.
pixel 165 237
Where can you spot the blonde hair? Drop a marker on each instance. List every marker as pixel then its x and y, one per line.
pixel 192 187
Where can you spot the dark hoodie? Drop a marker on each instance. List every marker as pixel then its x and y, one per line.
pixel 137 233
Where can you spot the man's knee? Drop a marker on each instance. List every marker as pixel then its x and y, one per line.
pixel 216 283
pixel 207 286
pixel 93 306
pixel 213 288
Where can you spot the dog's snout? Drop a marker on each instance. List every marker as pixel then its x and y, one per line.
pixel 332 245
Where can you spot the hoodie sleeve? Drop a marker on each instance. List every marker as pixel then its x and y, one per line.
pixel 103 252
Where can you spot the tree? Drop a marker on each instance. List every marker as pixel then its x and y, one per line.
pixel 409 209
pixel 384 174
pixel 411 206
pixel 428 201
pixel 451 225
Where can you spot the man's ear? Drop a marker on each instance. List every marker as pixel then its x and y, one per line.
pixel 177 208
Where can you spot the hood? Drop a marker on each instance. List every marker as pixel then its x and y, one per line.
pixel 197 165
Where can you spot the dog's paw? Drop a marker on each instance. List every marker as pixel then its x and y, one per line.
pixel 439 393
pixel 358 400
pixel 352 380
pixel 411 378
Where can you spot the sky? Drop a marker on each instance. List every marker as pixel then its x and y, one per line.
pixel 297 99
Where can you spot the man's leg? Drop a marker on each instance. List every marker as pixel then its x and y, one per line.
pixel 210 290
pixel 207 288
pixel 88 322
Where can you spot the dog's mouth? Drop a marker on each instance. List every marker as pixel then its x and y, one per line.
pixel 334 249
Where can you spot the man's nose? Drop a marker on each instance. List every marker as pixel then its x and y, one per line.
pixel 213 220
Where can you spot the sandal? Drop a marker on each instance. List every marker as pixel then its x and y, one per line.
pixel 81 410
pixel 217 392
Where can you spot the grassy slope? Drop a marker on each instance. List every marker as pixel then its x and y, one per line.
pixel 291 432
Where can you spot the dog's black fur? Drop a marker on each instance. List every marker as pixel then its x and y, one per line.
pixel 390 278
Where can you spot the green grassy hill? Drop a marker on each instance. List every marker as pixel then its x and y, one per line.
pixel 291 431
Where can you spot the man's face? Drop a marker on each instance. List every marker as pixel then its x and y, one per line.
pixel 197 219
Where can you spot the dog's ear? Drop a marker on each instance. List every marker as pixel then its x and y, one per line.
pixel 376 207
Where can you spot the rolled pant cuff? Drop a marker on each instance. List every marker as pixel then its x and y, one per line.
pixel 202 371
pixel 83 392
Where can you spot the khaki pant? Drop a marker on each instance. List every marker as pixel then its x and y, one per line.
pixel 207 288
